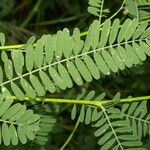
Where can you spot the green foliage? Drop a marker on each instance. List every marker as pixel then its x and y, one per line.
pixel 54 63
pixel 18 124
pixel 138 9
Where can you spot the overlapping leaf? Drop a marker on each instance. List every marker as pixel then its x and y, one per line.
pixel 18 124
pixel 61 60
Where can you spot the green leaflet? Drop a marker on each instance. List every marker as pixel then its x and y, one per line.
pixel 74 73
pixel 37 85
pixel 110 62
pixel 17 91
pixel 145 48
pixel 38 55
pixel 1 75
pixel 139 52
pixel 65 75
pixel 29 57
pixel 59 45
pixel 29 133
pixel 4 56
pixel 67 43
pixel 13 135
pixel 105 138
pixel 101 130
pixel 5 134
pixel 82 68
pixel 27 114
pixel 8 69
pixel 130 52
pixel 82 113
pixel 139 30
pixel 4 106
pixel 77 44
pixel 108 144
pixel 117 59
pixel 124 30
pixel 73 112
pixel 92 67
pixel 56 78
pixel 101 64
pixel 47 82
pixel 11 111
pixel 30 92
pixel 21 135
pixel 95 31
pixel 18 114
pixel 114 31
pixel 50 46
pixel 105 33
pixel 131 29
pixel 88 116
pixel 125 58
pixel 18 61
pixel 2 39
pixel 96 8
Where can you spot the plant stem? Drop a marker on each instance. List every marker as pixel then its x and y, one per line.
pixel 61 20
pixel 71 135
pixel 31 14
pixel 86 102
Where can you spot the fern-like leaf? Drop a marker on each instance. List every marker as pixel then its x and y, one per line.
pixel 18 124
pixel 138 116
pixel 61 60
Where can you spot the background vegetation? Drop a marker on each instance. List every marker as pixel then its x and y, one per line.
pixel 20 19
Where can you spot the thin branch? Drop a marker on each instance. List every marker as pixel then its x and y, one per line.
pixel 85 102
pixel 71 135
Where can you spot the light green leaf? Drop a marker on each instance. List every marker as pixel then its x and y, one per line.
pixel 37 85
pixel 101 130
pixel 92 67
pixel 109 60
pixel 5 134
pixel 50 46
pixel 11 111
pixel 18 61
pixel 74 73
pixel 108 144
pixel 22 135
pixel 17 91
pixel 8 69
pixel 139 51
pixel 82 113
pixel 140 30
pixel 47 82
pixel 13 135
pixel 67 43
pixel 130 52
pixel 101 64
pixel 65 75
pixel 125 58
pixel 76 42
pixel 88 116
pixel 118 60
pixel 123 31
pixel 18 114
pixel 73 112
pixel 29 57
pixel 56 78
pixel 2 39
pixel 114 31
pixel 1 75
pixel 105 33
pixel 105 138
pixel 5 105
